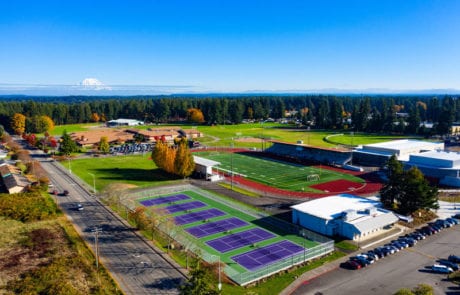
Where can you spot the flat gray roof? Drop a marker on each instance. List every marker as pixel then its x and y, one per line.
pixel 205 162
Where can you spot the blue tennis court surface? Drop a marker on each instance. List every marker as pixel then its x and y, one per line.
pixel 164 200
pixel 239 240
pixel 260 257
pixel 197 216
pixel 185 206
pixel 216 227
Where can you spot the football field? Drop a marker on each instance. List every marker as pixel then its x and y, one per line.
pixel 283 175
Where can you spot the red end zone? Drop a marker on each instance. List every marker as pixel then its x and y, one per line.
pixel 337 186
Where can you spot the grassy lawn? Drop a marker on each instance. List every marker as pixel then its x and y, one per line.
pixel 282 175
pixel 354 138
pixel 59 129
pixel 136 170
pixel 225 135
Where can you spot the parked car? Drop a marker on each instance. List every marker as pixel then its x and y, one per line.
pixel 362 261
pixel 350 264
pixel 382 251
pixel 397 245
pixel 439 268
pixel 373 254
pixel 452 220
pixel 392 249
pixel 367 257
pixel 454 258
pixel 80 207
pixel 456 216
pixel 55 192
pixel 408 241
pixel 418 236
pixel 443 223
pixel 448 263
pixel 65 193
pixel 435 226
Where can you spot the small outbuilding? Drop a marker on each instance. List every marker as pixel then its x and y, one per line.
pixel 124 122
pixel 203 167
pixel 343 215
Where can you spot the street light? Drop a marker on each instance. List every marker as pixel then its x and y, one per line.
pixel 94 182
pixel 70 167
pixel 219 285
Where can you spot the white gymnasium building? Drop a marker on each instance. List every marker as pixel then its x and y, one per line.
pixel 377 154
pixel 443 166
pixel 343 215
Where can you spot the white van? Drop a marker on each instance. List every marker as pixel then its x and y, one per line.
pixel 441 269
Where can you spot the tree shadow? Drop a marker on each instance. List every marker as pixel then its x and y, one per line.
pixel 165 284
pixel 135 174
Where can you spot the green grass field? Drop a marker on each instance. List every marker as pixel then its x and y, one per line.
pixel 136 170
pixel 234 212
pixel 278 174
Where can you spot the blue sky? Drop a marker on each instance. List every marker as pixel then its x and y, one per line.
pixel 232 46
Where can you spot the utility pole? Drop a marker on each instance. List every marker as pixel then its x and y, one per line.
pixel 96 232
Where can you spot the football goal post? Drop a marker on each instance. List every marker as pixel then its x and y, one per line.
pixel 313 177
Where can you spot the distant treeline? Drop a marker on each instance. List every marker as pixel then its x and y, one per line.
pixel 401 114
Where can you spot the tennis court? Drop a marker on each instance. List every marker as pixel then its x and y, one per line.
pixel 197 216
pixel 241 240
pixel 276 173
pixel 164 200
pixel 184 206
pixel 260 257
pixel 220 226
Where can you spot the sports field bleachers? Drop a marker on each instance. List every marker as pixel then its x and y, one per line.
pixel 309 153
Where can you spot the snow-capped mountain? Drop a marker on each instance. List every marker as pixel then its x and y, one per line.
pixel 93 84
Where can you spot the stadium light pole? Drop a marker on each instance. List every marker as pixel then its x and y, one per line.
pixel 231 164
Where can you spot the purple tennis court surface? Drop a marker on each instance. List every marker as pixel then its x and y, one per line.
pixel 164 200
pixel 239 240
pixel 215 227
pixel 260 257
pixel 197 216
pixel 185 206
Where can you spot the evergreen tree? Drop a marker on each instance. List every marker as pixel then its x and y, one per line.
pixel 407 191
pixel 67 145
pixel 391 191
pixel 417 193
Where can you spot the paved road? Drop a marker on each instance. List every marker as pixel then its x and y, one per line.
pixel 135 264
pixel 405 269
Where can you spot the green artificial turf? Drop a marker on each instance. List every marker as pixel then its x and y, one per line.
pixel 277 174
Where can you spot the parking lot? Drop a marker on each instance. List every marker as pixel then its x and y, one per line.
pixel 404 269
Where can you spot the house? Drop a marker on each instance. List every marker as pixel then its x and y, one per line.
pixel 12 179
